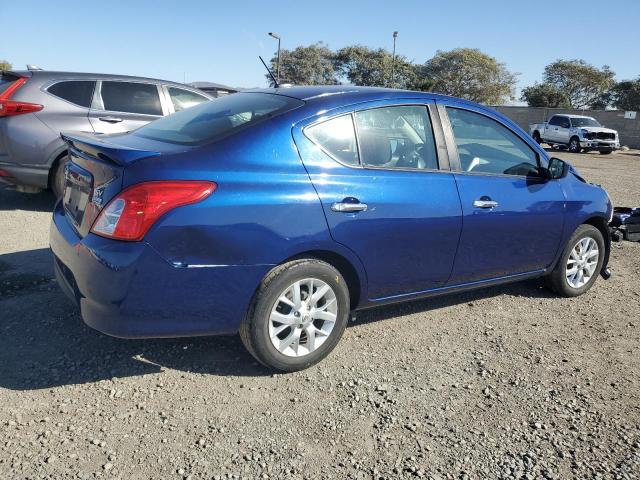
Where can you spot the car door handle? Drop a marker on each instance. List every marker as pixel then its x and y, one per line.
pixel 348 207
pixel 110 119
pixel 482 203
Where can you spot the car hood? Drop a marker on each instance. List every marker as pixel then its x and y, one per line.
pixel 598 129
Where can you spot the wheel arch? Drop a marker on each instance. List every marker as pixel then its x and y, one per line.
pixel 603 226
pixel 353 278
pixel 54 164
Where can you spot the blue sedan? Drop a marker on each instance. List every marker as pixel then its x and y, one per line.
pixel 275 213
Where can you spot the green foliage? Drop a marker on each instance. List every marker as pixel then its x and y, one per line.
pixel 469 73
pixel 581 83
pixel 364 66
pixel 312 65
pixel 625 95
pixel 544 95
pixel 4 65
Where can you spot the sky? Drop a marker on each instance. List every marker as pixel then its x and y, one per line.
pixel 220 41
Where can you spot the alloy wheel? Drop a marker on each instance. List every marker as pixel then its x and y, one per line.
pixel 582 262
pixel 303 317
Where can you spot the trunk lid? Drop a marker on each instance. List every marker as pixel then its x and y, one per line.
pixel 94 175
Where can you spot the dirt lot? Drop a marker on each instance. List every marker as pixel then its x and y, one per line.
pixel 507 382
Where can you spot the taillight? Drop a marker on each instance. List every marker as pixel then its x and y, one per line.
pixel 9 107
pixel 129 215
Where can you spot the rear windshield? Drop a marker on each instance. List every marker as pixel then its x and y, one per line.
pixel 5 81
pixel 213 120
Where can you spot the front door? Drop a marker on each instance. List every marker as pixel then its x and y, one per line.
pixel 384 195
pixel 512 216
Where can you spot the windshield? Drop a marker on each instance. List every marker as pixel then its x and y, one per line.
pixel 218 118
pixel 584 122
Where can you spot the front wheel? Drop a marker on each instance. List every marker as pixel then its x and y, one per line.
pixel 574 145
pixel 580 263
pixel 298 315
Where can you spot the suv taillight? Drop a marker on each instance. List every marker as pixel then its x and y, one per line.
pixel 131 214
pixel 9 107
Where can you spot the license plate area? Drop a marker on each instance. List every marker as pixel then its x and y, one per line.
pixel 77 191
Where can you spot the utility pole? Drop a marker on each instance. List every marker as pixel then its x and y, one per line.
pixel 393 61
pixel 277 37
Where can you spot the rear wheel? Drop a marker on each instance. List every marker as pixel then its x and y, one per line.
pixel 57 177
pixel 574 145
pixel 297 316
pixel 580 264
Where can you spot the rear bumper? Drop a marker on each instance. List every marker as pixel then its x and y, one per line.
pixel 126 289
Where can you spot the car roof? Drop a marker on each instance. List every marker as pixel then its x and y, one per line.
pixel 347 94
pixel 52 75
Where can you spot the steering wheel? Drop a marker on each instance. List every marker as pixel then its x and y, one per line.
pixel 412 159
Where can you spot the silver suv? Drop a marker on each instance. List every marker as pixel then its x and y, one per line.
pixel 35 106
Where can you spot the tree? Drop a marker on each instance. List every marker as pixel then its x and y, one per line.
pixel 4 65
pixel 625 95
pixel 312 65
pixel 544 95
pixel 367 67
pixel 581 83
pixel 469 73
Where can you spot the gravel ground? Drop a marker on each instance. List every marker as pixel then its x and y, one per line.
pixel 507 382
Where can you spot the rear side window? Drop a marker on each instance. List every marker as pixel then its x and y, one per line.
pixel 78 92
pixel 213 120
pixel 182 99
pixel 555 120
pixel 337 137
pixel 396 137
pixel 131 97
pixel 486 146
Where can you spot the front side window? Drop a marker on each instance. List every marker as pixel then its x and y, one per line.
pixel 486 146
pixel 396 137
pixel 337 137
pixel 182 99
pixel 211 121
pixel 131 97
pixel 78 92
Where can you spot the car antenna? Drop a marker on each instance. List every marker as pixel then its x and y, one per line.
pixel 275 82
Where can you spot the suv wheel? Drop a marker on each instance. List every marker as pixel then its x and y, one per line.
pixel 580 263
pixel 57 178
pixel 298 315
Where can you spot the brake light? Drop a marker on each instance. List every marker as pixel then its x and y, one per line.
pixel 9 107
pixel 129 215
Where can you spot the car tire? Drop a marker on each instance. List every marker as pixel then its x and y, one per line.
pixel 57 178
pixel 576 257
pixel 606 152
pixel 279 327
pixel 537 138
pixel 574 145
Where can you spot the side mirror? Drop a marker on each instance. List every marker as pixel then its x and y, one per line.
pixel 557 169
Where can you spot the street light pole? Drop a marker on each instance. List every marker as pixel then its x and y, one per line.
pixel 277 37
pixel 393 61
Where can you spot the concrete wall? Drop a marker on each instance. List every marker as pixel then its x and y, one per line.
pixel 629 130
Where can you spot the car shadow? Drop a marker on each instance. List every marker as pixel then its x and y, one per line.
pixel 45 344
pixel 33 202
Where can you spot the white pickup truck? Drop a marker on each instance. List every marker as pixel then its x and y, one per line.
pixel 576 132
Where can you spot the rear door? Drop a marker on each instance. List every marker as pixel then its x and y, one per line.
pixel 512 216
pixel 387 192
pixel 121 106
